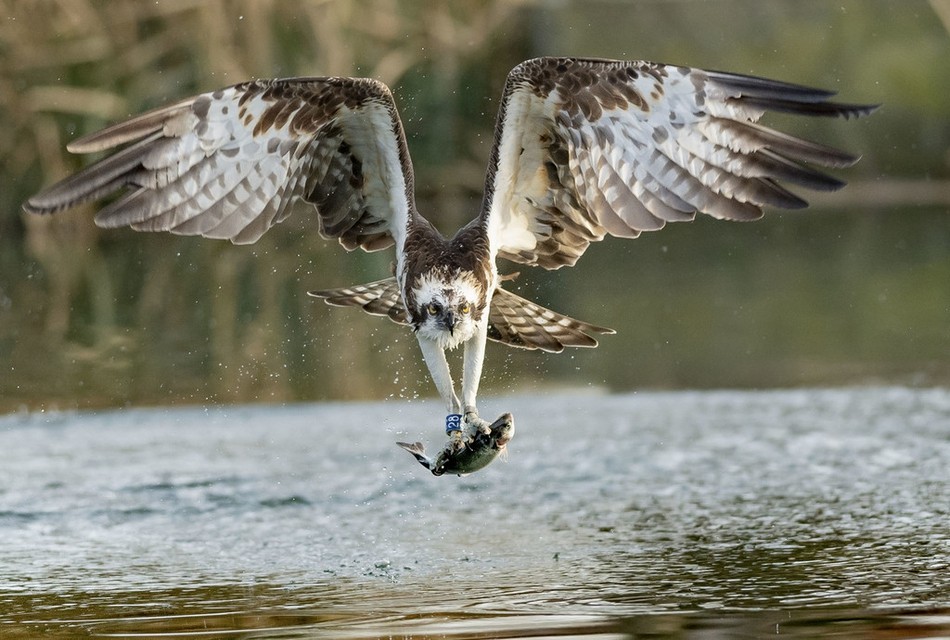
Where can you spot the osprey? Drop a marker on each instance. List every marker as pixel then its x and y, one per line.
pixel 582 149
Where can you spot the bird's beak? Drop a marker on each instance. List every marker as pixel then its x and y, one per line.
pixel 449 321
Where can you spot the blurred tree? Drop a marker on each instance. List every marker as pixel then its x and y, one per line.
pixel 92 318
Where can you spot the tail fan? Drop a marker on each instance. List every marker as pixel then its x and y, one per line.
pixel 513 320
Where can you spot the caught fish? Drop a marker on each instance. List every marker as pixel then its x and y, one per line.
pixel 471 452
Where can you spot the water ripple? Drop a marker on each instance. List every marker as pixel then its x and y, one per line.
pixel 671 514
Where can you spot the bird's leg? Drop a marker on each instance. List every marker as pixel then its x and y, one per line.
pixel 473 359
pixel 438 366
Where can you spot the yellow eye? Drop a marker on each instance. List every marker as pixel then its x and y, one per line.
pixel 432 309
pixel 465 308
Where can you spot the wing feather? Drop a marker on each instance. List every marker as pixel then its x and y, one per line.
pixel 518 322
pixel 230 164
pixel 587 148
pixel 380 298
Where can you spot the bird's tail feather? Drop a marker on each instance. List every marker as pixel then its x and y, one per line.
pixel 513 320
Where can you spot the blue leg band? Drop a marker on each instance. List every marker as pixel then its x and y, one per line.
pixel 453 422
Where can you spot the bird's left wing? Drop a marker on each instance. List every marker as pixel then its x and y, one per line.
pixel 230 163
pixel 586 148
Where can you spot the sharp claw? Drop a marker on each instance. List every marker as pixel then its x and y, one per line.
pixel 456 441
pixel 476 423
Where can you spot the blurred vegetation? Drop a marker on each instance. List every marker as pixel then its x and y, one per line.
pixel 854 291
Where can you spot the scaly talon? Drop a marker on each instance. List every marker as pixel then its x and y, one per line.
pixel 476 423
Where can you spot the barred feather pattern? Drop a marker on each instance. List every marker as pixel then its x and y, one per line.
pixel 589 148
pixel 513 320
pixel 583 149
pixel 518 322
pixel 232 163
pixel 380 298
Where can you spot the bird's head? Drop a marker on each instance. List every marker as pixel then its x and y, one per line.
pixel 448 306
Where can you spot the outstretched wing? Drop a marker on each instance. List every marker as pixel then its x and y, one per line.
pixel 230 164
pixel 586 148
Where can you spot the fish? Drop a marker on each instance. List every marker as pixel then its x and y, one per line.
pixel 473 451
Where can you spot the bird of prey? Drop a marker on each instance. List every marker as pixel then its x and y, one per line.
pixel 583 149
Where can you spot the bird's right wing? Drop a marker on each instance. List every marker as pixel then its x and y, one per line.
pixel 229 164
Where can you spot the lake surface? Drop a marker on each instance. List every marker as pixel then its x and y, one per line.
pixel 806 513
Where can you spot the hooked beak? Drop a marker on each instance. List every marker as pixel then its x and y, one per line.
pixel 448 321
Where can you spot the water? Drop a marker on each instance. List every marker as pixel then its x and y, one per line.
pixel 808 513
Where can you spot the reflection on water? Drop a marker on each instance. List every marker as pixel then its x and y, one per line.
pixel 798 300
pixel 382 611
pixel 693 515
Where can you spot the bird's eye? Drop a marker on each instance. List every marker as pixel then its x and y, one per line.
pixel 432 309
pixel 465 308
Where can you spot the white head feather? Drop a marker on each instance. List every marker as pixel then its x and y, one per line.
pixel 459 293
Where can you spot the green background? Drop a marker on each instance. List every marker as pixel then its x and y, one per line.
pixel 853 291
